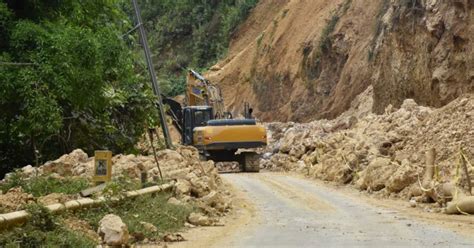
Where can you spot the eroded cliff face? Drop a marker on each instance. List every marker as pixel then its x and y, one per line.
pixel 423 50
pixel 308 59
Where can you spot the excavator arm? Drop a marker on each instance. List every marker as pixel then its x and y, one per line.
pixel 201 92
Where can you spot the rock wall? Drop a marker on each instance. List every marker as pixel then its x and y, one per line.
pixel 302 60
pixel 423 50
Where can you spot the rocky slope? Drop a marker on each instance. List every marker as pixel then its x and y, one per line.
pixel 302 60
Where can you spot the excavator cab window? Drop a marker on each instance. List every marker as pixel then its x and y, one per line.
pixel 194 117
pixel 201 117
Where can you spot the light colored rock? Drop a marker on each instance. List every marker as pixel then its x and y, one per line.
pixel 15 198
pixel 173 237
pixel 182 187
pixel 113 231
pixel 65 164
pixel 376 174
pixel 28 170
pixel 53 198
pixel 199 219
pixel 404 175
pixel 148 226
pixel 175 201
pixel 212 198
pixel 189 225
pixel 199 185
pixel 297 151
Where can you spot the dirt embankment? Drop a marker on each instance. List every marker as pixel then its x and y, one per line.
pixel 304 60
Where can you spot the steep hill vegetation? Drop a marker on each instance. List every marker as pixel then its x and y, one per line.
pixel 189 33
pixel 72 76
pixel 68 80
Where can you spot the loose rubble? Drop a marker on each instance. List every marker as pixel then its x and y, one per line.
pixel 200 219
pixel 173 237
pixel 197 181
pixel 197 184
pixel 14 199
pixel 382 154
pixel 113 231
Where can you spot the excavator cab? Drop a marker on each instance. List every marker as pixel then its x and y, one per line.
pixel 194 116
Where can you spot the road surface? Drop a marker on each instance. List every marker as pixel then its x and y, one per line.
pixel 295 212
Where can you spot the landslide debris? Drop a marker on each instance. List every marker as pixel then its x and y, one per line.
pixel 14 199
pixel 382 154
pixel 197 187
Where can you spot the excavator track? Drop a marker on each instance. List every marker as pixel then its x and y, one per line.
pixel 250 162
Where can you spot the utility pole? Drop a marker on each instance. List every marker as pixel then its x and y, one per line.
pixel 151 70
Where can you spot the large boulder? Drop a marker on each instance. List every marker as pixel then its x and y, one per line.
pixel 376 175
pixel 199 185
pixel 404 175
pixel 113 231
pixel 182 187
pixel 291 138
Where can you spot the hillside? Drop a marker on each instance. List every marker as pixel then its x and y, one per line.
pixel 304 60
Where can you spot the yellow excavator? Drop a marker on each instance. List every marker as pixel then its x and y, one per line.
pixel 205 124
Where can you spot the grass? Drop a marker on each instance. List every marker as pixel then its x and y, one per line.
pixel 148 208
pixel 44 185
pixel 43 230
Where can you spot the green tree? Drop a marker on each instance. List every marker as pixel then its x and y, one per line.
pixel 78 84
pixel 190 33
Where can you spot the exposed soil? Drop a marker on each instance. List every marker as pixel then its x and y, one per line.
pixel 305 60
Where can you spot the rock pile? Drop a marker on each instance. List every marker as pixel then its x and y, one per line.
pixel 14 199
pixel 377 153
pixel 197 182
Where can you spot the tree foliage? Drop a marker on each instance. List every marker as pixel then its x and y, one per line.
pixel 190 33
pixel 77 84
pixel 70 78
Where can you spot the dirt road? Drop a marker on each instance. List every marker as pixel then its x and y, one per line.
pixel 294 212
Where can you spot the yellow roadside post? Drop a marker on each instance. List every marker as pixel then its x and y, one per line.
pixel 102 166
